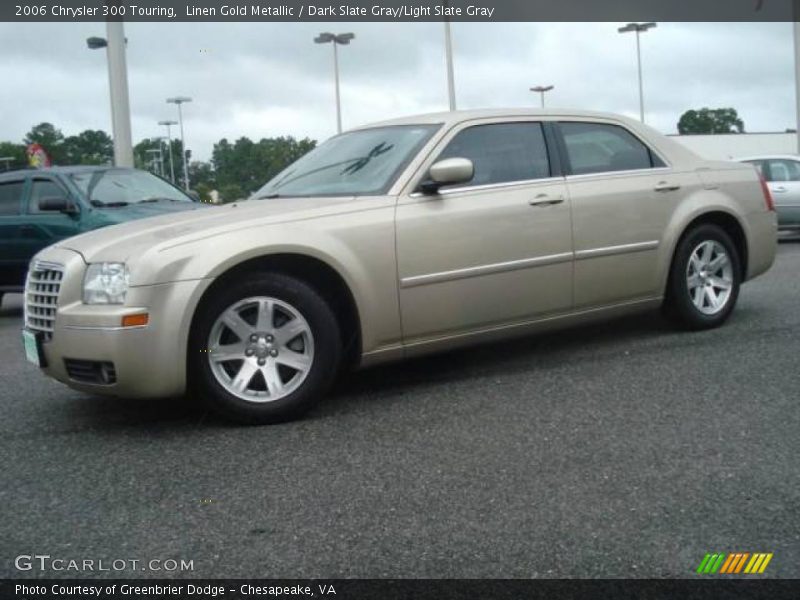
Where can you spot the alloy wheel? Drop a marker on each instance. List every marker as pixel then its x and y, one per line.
pixel 709 277
pixel 260 349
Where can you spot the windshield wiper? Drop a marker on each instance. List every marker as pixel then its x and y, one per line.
pixel 268 196
pixel 108 204
pixel 158 199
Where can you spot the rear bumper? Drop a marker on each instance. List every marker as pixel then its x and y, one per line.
pixel 148 361
pixel 762 242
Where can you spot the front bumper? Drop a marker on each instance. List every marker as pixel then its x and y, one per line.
pixel 149 360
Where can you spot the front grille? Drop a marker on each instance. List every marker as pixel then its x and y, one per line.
pixel 91 371
pixel 41 296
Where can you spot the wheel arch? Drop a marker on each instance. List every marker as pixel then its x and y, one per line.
pixel 726 221
pixel 319 274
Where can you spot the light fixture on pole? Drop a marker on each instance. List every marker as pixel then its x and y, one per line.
pixel 179 100
pixel 541 89
pixel 114 42
pixel 638 28
pixel 168 124
pixel 336 39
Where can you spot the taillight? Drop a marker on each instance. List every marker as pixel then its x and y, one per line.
pixel 767 195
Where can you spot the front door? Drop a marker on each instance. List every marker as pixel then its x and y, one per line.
pixel 494 251
pixel 42 228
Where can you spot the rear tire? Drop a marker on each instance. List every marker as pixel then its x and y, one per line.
pixel 704 279
pixel 264 349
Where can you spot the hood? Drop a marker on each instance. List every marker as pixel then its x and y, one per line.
pixel 127 240
pixel 141 210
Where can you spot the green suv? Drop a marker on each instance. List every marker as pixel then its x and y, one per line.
pixel 39 207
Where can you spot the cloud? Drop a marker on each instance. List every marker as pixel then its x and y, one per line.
pixel 265 79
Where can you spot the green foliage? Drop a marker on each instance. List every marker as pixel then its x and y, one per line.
pixel 90 147
pixel 14 151
pixel 230 192
pixel 249 165
pixel 708 120
pixel 51 139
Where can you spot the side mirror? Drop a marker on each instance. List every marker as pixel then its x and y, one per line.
pixel 449 171
pixel 56 204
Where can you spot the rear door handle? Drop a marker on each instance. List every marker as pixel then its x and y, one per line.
pixel 546 200
pixel 26 229
pixel 663 186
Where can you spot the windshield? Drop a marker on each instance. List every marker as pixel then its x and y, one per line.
pixel 120 187
pixel 355 163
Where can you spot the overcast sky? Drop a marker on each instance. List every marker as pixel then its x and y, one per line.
pixel 270 79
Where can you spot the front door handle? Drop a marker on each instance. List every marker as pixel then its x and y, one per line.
pixel 546 200
pixel 663 186
pixel 27 230
pixel 779 190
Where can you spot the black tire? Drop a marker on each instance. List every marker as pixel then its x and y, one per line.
pixel 326 358
pixel 1 298
pixel 678 304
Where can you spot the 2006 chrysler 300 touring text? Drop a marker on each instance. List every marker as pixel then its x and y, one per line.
pixel 396 239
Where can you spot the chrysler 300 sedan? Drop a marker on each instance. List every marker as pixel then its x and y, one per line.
pixel 396 239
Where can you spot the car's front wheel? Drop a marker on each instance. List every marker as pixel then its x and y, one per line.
pixel 264 349
pixel 704 279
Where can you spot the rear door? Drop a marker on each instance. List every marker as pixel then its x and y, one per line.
pixel 495 250
pixel 622 195
pixel 13 258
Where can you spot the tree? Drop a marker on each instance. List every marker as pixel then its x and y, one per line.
pixel 50 138
pixel 16 152
pixel 248 165
pixel 90 147
pixel 710 120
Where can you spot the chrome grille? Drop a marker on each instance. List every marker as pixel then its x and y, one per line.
pixel 41 296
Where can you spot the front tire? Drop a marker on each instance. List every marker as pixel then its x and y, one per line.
pixel 264 349
pixel 704 279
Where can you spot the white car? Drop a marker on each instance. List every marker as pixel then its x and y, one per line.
pixel 782 172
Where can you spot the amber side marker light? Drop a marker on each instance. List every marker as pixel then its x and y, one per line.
pixel 135 320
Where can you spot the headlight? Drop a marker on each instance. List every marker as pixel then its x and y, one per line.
pixel 105 283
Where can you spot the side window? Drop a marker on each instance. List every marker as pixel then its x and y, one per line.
pixel 600 148
pixel 784 170
pixel 43 188
pixel 10 193
pixel 502 152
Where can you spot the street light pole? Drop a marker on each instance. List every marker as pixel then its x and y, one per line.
pixel 168 124
pixel 448 51
pixel 541 89
pixel 638 28
pixel 336 39
pixel 179 100
pixel 118 87
pixel 796 27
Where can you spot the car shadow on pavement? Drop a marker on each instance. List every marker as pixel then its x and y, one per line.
pixel 524 354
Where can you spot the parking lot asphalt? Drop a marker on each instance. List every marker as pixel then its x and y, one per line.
pixel 624 449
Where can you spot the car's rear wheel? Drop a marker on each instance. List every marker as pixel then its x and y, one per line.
pixel 264 350
pixel 704 279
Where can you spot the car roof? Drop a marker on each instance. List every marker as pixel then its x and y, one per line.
pixel 769 157
pixel 459 116
pixel 66 170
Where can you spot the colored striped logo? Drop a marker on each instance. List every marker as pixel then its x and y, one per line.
pixel 734 562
